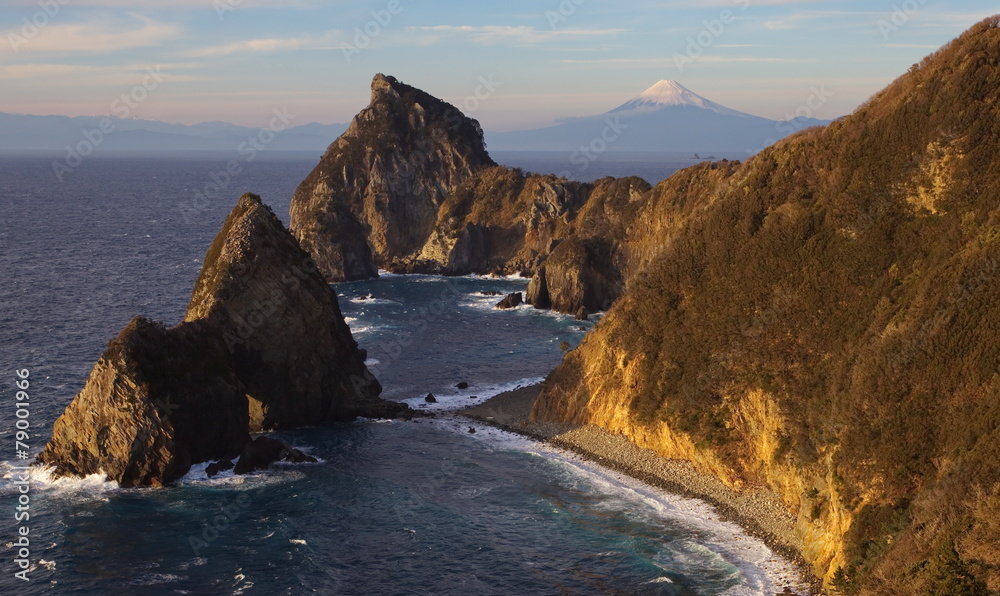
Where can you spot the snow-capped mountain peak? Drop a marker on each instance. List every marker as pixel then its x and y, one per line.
pixel 665 94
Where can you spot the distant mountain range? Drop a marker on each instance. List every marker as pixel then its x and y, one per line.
pixel 665 117
pixel 55 133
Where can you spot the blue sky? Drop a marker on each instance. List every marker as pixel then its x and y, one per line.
pixel 529 62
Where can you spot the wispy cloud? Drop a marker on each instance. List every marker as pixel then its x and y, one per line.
pixel 98 37
pixel 92 75
pixel 265 45
pixel 514 35
pixel 671 61
pixel 174 4
pixel 919 46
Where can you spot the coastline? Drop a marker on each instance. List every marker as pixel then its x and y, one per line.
pixel 756 510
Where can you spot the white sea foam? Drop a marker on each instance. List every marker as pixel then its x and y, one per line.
pixel 720 544
pixel 452 399
pixel 369 299
pixel 43 478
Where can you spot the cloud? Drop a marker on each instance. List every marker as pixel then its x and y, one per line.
pixel 94 37
pixel 919 46
pixel 735 4
pixel 266 45
pixel 672 62
pixel 511 35
pixel 783 24
pixel 92 76
pixel 175 4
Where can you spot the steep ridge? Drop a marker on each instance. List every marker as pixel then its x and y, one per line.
pixel 824 321
pixel 263 346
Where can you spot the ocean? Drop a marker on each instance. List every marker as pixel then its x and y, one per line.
pixel 392 507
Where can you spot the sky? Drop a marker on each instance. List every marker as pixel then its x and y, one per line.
pixel 516 64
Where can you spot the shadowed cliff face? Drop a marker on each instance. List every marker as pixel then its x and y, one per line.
pixel 824 319
pixel 263 346
pixel 282 324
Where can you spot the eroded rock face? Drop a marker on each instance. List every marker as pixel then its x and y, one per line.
pixel 579 277
pixel 263 346
pixel 374 196
pixel 410 188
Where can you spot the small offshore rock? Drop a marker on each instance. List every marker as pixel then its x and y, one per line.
pixel 214 469
pixel 511 301
pixel 263 451
pixel 430 398
pixel 472 430
pixel 462 385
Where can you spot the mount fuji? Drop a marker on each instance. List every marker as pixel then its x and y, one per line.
pixel 666 117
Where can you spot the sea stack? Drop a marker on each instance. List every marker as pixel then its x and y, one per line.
pixel 263 346
pixel 376 192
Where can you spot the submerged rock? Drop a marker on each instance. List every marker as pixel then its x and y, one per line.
pixel 216 468
pixel 263 345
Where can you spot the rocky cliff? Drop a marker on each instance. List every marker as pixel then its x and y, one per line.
pixel 823 319
pixel 374 196
pixel 263 346
pixel 410 188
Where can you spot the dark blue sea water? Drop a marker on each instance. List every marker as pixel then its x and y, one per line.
pixel 392 507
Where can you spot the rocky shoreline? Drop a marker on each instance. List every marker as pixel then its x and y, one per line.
pixel 757 510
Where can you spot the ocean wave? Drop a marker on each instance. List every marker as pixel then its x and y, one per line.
pixel 370 299
pixel 43 478
pixel 721 545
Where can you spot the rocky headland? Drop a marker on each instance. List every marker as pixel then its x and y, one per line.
pixel 819 321
pixel 823 323
pixel 410 188
pixel 263 346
